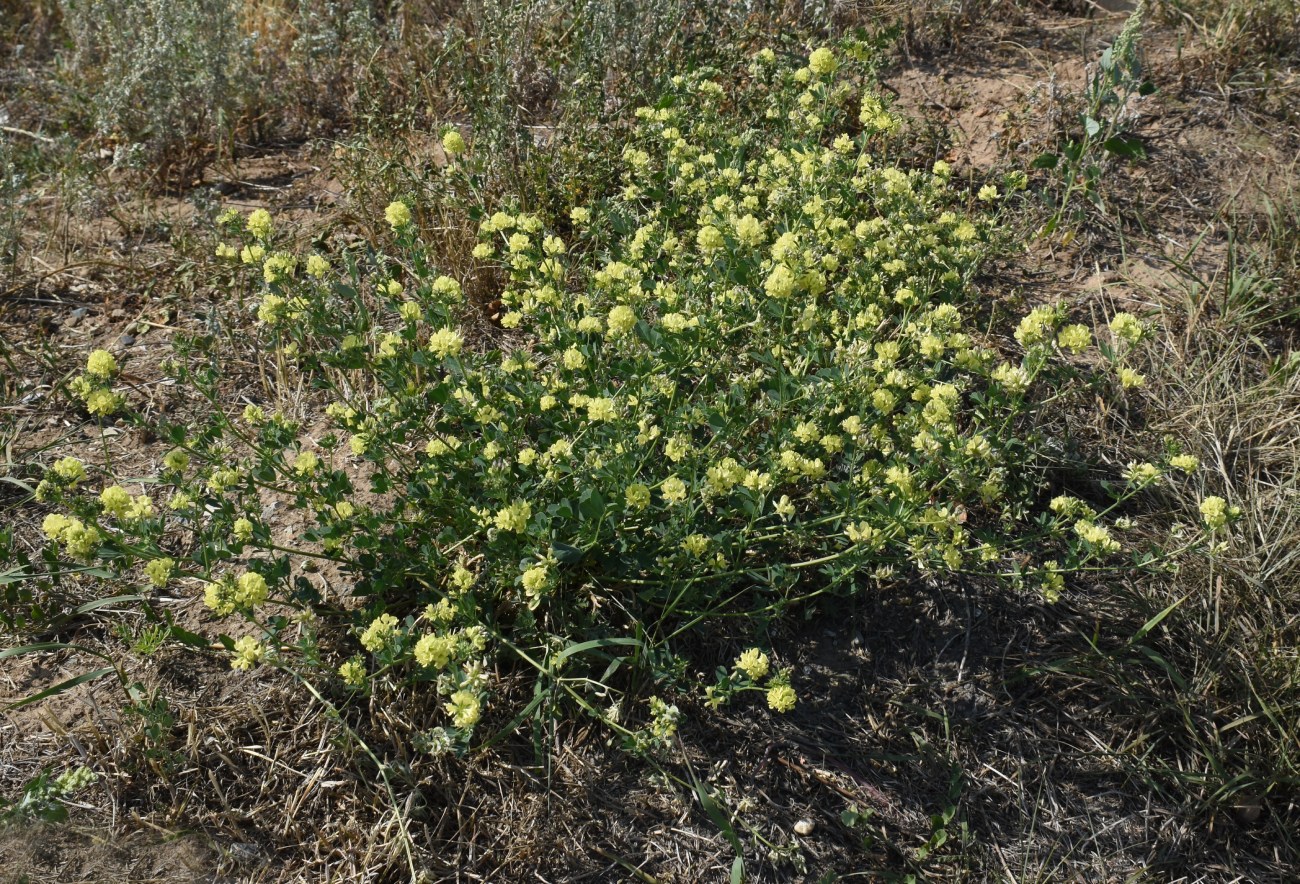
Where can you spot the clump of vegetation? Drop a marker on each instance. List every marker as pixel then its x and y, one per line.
pixel 1102 131
pixel 597 400
pixel 43 797
pixel 744 381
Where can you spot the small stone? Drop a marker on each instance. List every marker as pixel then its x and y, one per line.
pixel 804 827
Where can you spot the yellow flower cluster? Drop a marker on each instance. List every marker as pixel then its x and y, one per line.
pixel 398 215
pixel 754 663
pixel 159 571
pixel 247 653
pixel 259 224
pixel 781 698
pixel 80 540
pixel 227 595
pixel 514 517
pixel 445 343
pixel 382 634
pixel 1217 514
pixel 118 503
pixel 101 365
pixel 453 143
pixel 93 388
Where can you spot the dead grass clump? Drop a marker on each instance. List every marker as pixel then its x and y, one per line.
pixel 1205 696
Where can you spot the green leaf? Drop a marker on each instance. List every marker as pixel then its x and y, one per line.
pixel 105 602
pixel 715 812
pixel 591 505
pixel 61 687
pixel 1125 146
pixel 1045 161
pixel 21 484
pixel 14 575
pixel 1156 620
pixel 738 870
pixel 50 646
pixel 566 554
pixel 596 643
pixel 185 637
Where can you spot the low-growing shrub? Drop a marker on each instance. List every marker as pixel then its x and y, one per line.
pixel 170 84
pixel 746 380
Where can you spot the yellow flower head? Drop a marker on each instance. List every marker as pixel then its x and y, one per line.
pixel 514 517
pixel 1216 512
pixel 159 571
pixel 781 698
pixel 353 673
pixel 754 663
pixel 709 239
pixel 536 580
pixel 101 364
pixel 317 266
pixel 822 61
pixel 453 143
pixel 382 634
pixel 306 463
pixel 248 652
pixel 1074 338
pixel 398 215
pixel 1128 378
pixel 780 282
pixel 435 650
pixel 55 524
pixel 69 470
pixel 601 408
pixel 447 289
pixel 115 500
pixel 103 402
pixel 446 342
pixel 673 490
pixel 638 496
pixel 622 319
pixel 1127 326
pixel 250 590
pixel 259 223
pixel 464 708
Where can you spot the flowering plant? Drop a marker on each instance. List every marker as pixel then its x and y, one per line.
pixel 745 380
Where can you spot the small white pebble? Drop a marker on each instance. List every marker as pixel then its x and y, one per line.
pixel 804 827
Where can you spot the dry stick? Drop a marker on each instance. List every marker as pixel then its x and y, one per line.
pixel 36 135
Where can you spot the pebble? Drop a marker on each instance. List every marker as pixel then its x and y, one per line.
pixel 804 827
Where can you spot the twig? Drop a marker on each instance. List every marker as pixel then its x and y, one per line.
pixel 36 135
